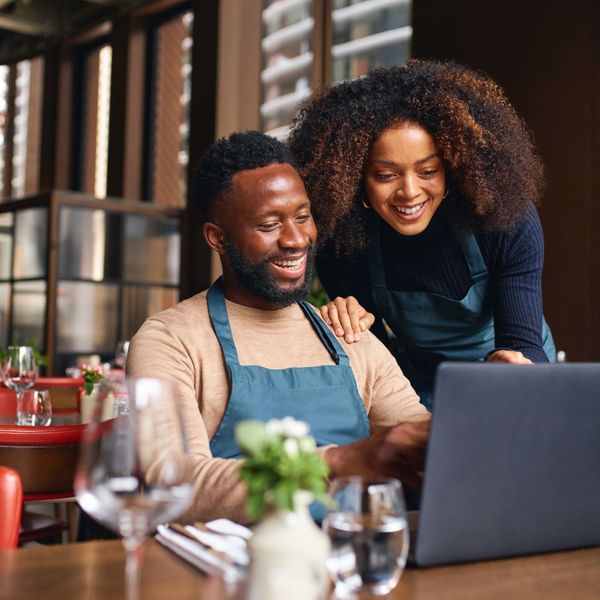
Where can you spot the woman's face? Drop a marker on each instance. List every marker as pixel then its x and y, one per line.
pixel 404 178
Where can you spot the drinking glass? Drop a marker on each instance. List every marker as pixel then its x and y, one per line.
pixel 134 471
pixel 19 373
pixel 37 408
pixel 369 535
pixel 121 353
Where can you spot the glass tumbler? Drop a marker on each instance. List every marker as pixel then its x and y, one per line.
pixel 37 408
pixel 368 529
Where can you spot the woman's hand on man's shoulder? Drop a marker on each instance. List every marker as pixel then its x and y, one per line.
pixel 347 318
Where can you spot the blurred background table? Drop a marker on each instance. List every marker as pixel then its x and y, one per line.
pixel 94 571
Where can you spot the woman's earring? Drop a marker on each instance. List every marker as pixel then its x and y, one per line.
pixel 446 193
pixel 365 204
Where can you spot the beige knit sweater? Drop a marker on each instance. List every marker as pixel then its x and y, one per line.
pixel 179 344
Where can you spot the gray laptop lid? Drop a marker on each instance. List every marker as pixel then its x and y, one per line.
pixel 513 464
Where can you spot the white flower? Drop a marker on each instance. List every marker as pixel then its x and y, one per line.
pixel 292 428
pixel 274 427
pixel 307 444
pixel 290 447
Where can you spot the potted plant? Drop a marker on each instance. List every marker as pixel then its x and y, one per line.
pixel 284 475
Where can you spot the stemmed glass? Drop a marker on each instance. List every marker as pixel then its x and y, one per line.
pixel 134 471
pixel 369 535
pixel 19 373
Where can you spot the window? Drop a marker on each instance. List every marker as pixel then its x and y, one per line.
pixel 287 61
pixel 27 127
pixel 170 45
pixel 300 53
pixel 369 34
pixel 21 91
pixel 94 103
pixel 4 116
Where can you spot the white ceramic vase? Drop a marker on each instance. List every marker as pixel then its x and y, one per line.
pixel 288 553
pixel 88 402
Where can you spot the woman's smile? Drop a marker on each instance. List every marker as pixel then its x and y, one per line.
pixel 405 178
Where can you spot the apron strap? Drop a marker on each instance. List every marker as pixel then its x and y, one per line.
pixel 327 338
pixel 220 321
pixel 477 267
pixel 379 288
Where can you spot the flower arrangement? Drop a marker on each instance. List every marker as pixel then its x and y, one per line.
pixel 280 459
pixel 91 376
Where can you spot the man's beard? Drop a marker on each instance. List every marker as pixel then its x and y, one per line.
pixel 257 278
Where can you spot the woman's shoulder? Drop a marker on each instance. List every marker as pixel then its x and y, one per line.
pixel 523 238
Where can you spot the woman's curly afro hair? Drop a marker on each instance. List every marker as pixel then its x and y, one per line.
pixel 492 168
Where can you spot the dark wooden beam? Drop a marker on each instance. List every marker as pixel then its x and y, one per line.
pixel 119 40
pixel 195 255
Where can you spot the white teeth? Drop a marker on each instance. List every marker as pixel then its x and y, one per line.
pixel 410 211
pixel 289 264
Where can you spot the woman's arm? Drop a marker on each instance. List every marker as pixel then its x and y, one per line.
pixel 351 310
pixel 516 291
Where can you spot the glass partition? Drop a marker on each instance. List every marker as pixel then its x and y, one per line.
pixel 31 243
pixel 140 301
pixel 86 317
pixel 151 250
pixel 114 265
pixel 5 290
pixel 82 243
pixel 29 313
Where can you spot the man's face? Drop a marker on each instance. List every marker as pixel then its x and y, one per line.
pixel 269 237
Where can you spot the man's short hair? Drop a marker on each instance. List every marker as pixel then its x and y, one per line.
pixel 226 157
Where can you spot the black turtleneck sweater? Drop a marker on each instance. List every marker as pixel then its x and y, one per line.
pixel 433 261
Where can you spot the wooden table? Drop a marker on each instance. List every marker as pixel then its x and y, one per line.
pixel 94 571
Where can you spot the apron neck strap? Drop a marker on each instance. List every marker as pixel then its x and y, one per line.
pixel 470 247
pixel 220 321
pixel 376 272
pixel 327 338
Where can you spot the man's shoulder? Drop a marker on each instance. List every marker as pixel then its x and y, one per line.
pixel 184 314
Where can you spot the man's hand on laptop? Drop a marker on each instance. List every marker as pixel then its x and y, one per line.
pixel 397 451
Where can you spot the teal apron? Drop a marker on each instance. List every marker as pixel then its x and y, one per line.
pixel 325 397
pixel 431 328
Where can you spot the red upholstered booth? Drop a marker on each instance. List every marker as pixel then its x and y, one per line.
pixel 45 458
pixel 11 502
pixel 65 393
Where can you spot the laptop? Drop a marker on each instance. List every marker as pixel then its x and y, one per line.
pixel 513 463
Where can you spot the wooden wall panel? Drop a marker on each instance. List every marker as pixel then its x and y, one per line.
pixel 545 55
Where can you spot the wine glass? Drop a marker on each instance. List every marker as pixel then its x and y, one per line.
pixel 369 535
pixel 19 373
pixel 134 471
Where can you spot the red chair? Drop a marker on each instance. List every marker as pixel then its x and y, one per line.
pixel 65 394
pixel 11 502
pixel 45 458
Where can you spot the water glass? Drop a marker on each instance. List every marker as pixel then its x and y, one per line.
pixel 369 535
pixel 19 372
pixel 37 408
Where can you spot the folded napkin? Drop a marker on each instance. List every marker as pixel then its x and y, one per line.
pixel 215 547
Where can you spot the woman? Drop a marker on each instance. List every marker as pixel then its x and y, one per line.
pixel 423 181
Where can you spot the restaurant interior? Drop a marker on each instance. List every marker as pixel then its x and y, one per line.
pixel 106 107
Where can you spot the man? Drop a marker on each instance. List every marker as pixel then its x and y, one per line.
pixel 250 348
